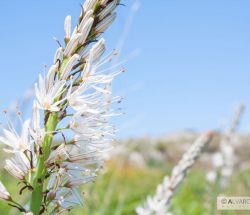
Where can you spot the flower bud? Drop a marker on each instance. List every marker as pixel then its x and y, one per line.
pixel 72 44
pixel 105 23
pixel 66 71
pixel 67 28
pixel 4 194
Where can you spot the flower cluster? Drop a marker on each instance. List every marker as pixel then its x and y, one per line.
pixel 73 101
pixel 160 202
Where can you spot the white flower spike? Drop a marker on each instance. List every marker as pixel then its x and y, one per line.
pixel 74 98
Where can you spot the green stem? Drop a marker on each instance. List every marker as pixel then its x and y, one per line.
pixel 40 172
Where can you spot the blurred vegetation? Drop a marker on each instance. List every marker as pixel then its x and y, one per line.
pixel 124 183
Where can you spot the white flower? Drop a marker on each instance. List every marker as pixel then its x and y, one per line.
pixel 20 165
pixel 92 61
pixel 68 198
pixel 211 176
pixel 4 194
pixel 37 132
pixel 85 158
pixel 58 155
pixel 77 100
pixel 217 160
pixel 91 125
pixel 17 142
pixel 47 97
pixel 15 169
pixel 92 72
pixel 226 172
pixel 98 143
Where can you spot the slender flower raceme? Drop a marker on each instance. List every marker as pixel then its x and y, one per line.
pixel 160 202
pixel 227 148
pixel 224 160
pixel 73 101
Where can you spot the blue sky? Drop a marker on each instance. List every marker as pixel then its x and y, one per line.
pixel 191 69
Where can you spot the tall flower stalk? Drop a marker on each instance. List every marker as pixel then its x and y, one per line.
pixel 224 159
pixel 72 101
pixel 160 202
pixel 227 148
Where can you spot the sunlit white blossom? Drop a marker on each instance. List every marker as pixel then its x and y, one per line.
pixel 17 142
pixel 37 132
pixel 47 97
